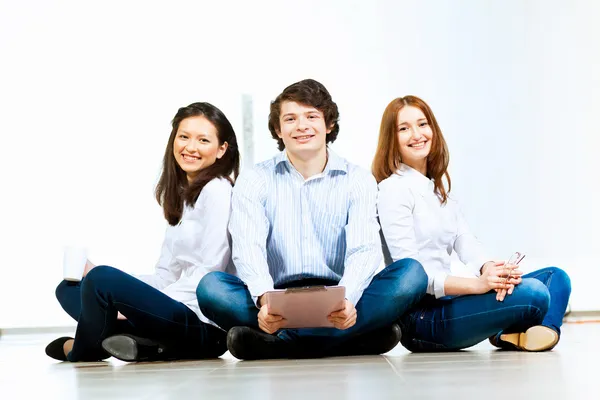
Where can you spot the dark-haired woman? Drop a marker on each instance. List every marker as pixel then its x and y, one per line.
pixel 156 317
pixel 420 220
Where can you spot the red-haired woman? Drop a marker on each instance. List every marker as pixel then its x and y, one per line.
pixel 420 220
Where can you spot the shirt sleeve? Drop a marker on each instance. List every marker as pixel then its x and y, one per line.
pixel 363 244
pixel 249 228
pixel 203 243
pixel 468 248
pixel 396 203
pixel 166 271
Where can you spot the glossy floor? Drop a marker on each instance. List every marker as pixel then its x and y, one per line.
pixel 569 372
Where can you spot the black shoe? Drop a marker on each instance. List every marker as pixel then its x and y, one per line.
pixel 127 347
pixel 56 350
pixel 247 343
pixel 379 341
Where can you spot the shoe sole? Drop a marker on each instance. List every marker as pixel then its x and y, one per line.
pixel 536 338
pixel 122 347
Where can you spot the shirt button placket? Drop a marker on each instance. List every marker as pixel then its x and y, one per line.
pixel 305 213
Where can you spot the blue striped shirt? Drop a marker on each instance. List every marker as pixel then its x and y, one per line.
pixel 285 228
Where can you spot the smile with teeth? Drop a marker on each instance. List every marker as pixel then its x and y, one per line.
pixel 187 157
pixel 303 138
pixel 419 145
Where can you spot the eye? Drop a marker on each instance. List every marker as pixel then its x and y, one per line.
pixel 183 137
pixel 204 140
pixel 289 119
pixel 402 129
pixel 424 123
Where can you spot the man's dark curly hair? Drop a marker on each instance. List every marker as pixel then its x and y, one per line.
pixel 309 93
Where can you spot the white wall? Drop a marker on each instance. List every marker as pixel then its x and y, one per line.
pixel 87 91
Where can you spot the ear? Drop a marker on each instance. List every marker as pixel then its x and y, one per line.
pixel 328 131
pixel 278 132
pixel 222 150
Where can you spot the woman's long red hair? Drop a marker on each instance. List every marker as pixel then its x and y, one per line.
pixel 387 157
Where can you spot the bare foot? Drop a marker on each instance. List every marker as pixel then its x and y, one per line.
pixel 68 346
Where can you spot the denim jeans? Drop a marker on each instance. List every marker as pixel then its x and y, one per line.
pixel 225 299
pixel 458 322
pixel 95 301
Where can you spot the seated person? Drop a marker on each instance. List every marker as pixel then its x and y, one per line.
pixel 419 219
pixel 156 317
pixel 308 217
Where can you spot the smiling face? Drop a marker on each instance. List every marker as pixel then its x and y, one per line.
pixel 196 145
pixel 414 135
pixel 302 129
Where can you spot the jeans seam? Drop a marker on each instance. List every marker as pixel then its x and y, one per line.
pixel 486 312
pixel 105 305
pixel 186 324
pixel 541 273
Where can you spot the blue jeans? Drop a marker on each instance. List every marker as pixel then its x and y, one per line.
pixel 95 301
pixel 458 322
pixel 225 299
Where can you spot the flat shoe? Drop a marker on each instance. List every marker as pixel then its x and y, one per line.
pixel 536 338
pixel 56 350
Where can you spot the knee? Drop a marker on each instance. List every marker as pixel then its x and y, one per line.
pixel 209 290
pixel 561 280
pixel 61 291
pixel 412 277
pixel 98 277
pixel 535 294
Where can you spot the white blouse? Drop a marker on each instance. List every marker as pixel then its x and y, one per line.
pixel 199 244
pixel 415 224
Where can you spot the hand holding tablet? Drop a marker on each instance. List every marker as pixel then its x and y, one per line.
pixel 306 307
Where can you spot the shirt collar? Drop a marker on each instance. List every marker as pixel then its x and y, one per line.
pixel 334 162
pixel 421 182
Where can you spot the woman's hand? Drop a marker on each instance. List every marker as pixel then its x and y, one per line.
pixel 88 267
pixel 514 281
pixel 499 277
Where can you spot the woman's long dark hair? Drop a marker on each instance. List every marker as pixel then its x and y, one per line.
pixel 173 191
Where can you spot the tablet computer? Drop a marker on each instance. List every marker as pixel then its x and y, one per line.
pixel 306 307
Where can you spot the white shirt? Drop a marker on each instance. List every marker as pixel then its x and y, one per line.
pixel 199 244
pixel 286 228
pixel 415 224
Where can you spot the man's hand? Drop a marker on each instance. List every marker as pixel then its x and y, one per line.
pixel 344 318
pixel 269 323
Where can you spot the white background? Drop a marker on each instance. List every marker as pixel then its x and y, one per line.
pixel 88 89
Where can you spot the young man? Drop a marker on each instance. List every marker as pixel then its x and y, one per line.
pixel 308 217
